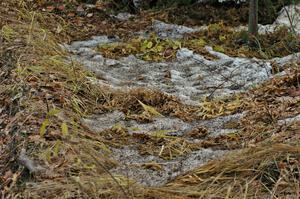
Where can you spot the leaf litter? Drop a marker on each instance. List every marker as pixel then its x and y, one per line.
pixel 81 162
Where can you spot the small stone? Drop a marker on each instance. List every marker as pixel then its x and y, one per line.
pixel 184 53
pixel 89 15
pixel 124 16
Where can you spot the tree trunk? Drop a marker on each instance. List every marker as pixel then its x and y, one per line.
pixel 253 18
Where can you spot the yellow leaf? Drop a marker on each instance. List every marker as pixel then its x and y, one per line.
pixel 199 42
pixel 64 129
pixel 59 29
pixel 89 166
pixel 47 155
pixel 7 32
pixel 44 127
pixel 118 128
pixel 147 57
pixel 157 49
pixel 177 44
pixel 53 112
pixel 146 45
pixel 56 148
pixel 150 44
pixel 162 133
pixel 150 109
pixel 222 37
pixel 219 49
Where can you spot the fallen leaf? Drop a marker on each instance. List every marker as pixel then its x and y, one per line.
pixel 50 8
pixel 80 9
pixel 294 92
pixel 71 14
pixel 153 166
pixel 64 129
pixel 61 8
pixel 44 127
pixel 150 109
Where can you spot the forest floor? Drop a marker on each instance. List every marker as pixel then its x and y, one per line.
pixel 96 105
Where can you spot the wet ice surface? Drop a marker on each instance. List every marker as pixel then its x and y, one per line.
pixel 190 77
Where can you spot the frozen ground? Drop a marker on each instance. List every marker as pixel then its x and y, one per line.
pixel 134 165
pixel 190 77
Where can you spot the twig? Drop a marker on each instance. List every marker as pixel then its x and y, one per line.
pixel 109 173
pixel 226 78
pixel 290 20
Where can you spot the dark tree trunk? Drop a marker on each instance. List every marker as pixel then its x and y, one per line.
pixel 253 18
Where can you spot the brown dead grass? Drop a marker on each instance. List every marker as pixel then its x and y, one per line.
pixel 225 39
pixel 260 172
pixel 37 93
pixel 76 162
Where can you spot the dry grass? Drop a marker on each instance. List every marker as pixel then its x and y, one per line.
pixel 52 90
pixel 256 172
pixel 40 86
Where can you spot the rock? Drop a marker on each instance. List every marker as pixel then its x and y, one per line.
pixel 94 42
pixel 292 11
pixel 191 76
pixel 98 58
pixel 165 30
pixel 124 16
pixel 89 15
pixel 184 53
pixel 103 122
pixel 289 120
pixel 87 52
pixel 131 161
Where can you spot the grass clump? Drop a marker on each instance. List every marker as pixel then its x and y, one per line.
pixel 265 171
pixel 44 95
pixel 221 37
pixel 53 154
pixel 235 43
pixel 151 49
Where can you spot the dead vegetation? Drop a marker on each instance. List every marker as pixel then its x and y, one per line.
pixel 221 37
pixel 47 153
pixel 258 172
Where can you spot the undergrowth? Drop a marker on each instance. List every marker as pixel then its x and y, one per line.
pixel 49 153
pixel 222 38
pixel 52 96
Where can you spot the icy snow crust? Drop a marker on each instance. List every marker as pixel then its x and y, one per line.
pixel 190 77
pixel 131 161
pixel 289 16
